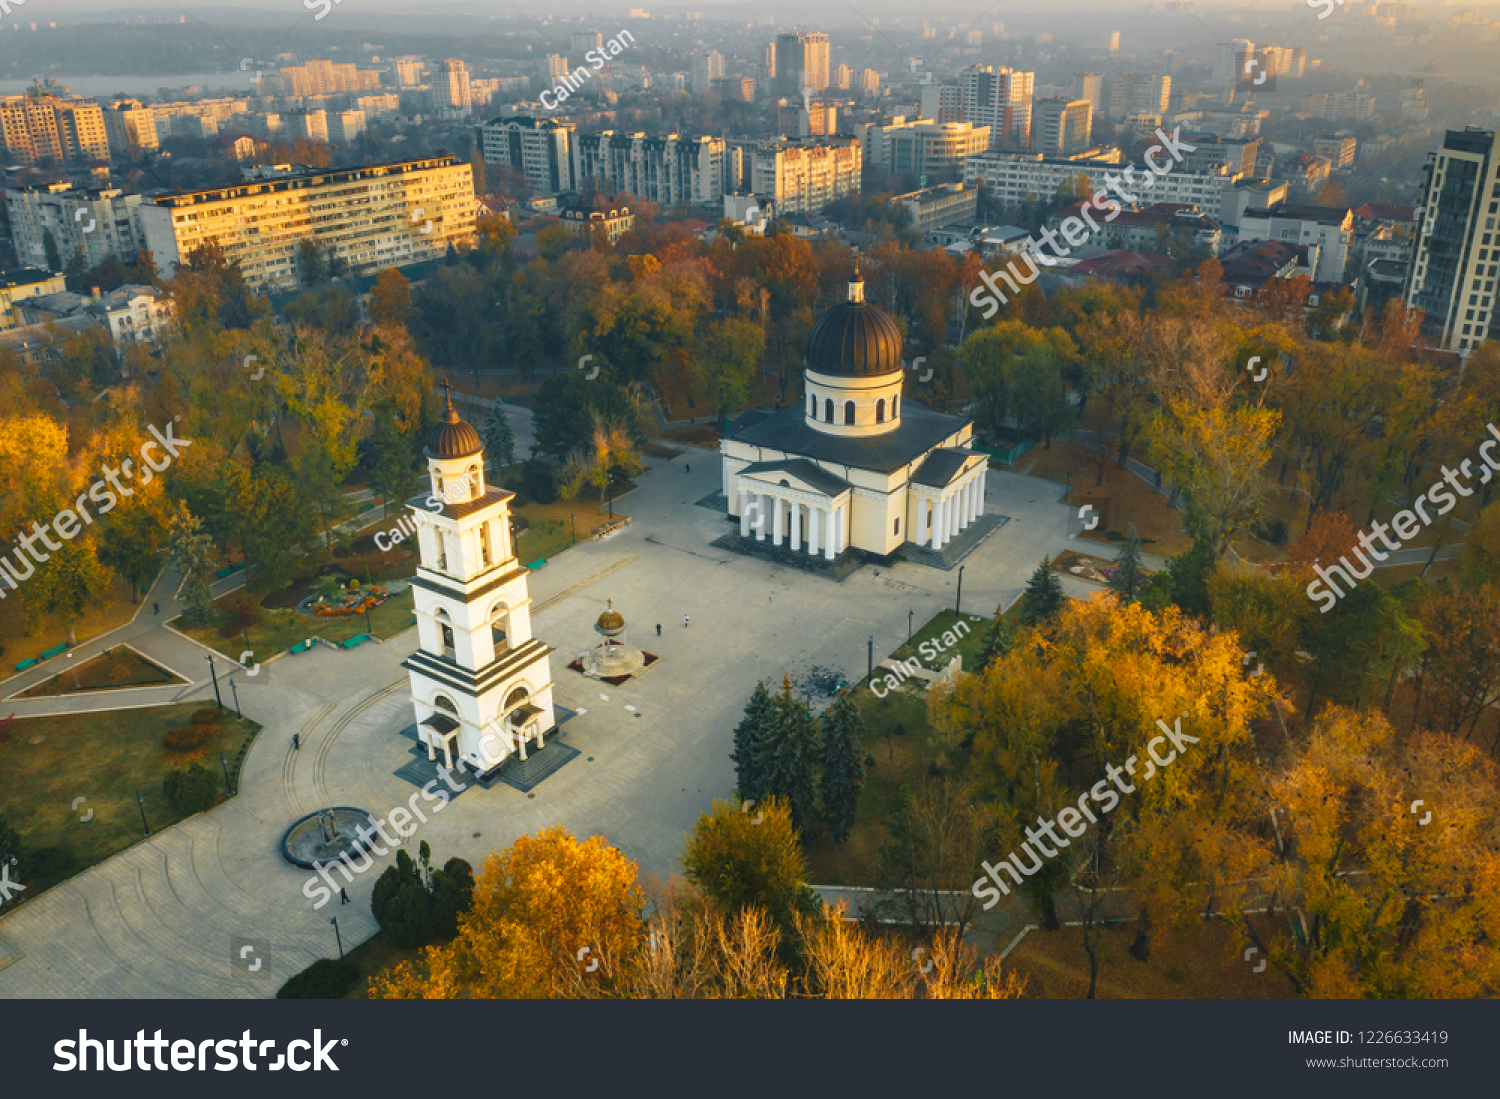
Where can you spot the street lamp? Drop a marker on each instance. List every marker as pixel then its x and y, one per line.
pixel 335 921
pixel 142 803
pixel 870 658
pixel 215 673
pixel 958 601
pixel 228 786
pixel 369 629
pixel 76 685
pixel 235 694
pixel 908 626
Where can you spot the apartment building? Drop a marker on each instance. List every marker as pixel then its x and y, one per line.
pixel 1331 228
pixel 130 127
pixel 598 213
pixel 935 207
pixel 310 125
pixel 1127 94
pixel 671 170
pixel 1339 105
pixel 1230 59
pixel 1062 126
pixel 800 61
pixel 1234 155
pixel 804 177
pixel 405 72
pixel 707 68
pixel 1014 178
pixel 320 78
pixel 41 125
pixel 450 86
pixel 539 148
pixel 100 224
pixel 1338 149
pixel 383 215
pixel 1457 250
pixel 345 126
pixel 999 100
pixel 23 283
pixel 1143 230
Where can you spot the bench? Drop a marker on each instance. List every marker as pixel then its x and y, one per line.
pixel 301 647
pixel 225 571
pixel 56 650
pixel 21 667
pixel 538 563
pixel 353 641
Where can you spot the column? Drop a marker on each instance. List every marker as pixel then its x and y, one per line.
pixel 976 490
pixel 796 516
pixel 939 523
pixel 830 533
pixel 776 524
pixel 814 521
pixel 924 506
pixel 952 509
pixel 969 502
pixel 759 522
pixel 746 512
pixel 840 526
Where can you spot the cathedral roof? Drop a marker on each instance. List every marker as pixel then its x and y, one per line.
pixel 452 437
pixel 854 339
pixel 939 468
pixel 809 473
pixel 921 430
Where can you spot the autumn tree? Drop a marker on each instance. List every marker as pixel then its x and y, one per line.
pixel 748 857
pixel 192 554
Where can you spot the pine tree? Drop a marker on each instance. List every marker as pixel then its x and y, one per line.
pixel 1127 580
pixel 999 639
pixel 749 735
pixel 788 756
pixel 843 774
pixel 1043 596
pixel 499 439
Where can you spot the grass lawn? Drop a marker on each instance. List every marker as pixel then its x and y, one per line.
pixel 374 957
pixel 104 757
pixel 112 669
pixel 281 629
pixel 1199 962
pixel 938 636
pixel 113 610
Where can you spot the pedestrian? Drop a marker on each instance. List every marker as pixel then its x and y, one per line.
pixel 155 608
pixel 296 742
pixel 658 629
pixel 686 467
pixel 343 896
pixel 684 621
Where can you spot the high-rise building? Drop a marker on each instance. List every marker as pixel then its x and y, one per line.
pixel 770 72
pixel 41 125
pixel 382 215
pixel 791 60
pixel 1126 94
pixel 130 128
pixel 843 77
pixel 921 145
pixel 1230 59
pixel 1090 86
pixel 450 85
pixel 550 69
pixel 1454 262
pixel 1114 41
pixel 345 126
pixel 805 176
pixel 99 224
pixel 1062 126
pixel 815 75
pixel 322 78
pixel 539 148
pixel 707 67
pixel 311 125
pixel 869 83
pixel 671 171
pixel 998 99
pixel 580 42
pixel 406 72
pixel 80 128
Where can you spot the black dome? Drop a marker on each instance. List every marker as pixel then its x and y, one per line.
pixel 452 437
pixel 854 339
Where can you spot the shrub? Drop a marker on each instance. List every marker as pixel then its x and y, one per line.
pixel 1113 536
pixel 536 480
pixel 192 790
pixel 415 904
pixel 325 979
pixel 188 738
pixel 242 617
pixel 209 715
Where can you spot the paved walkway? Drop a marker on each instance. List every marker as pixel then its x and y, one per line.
pixel 162 919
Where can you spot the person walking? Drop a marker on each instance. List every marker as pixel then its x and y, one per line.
pixel 686 468
pixel 343 896
pixel 155 608
pixel 296 742
pixel 658 629
pixel 684 621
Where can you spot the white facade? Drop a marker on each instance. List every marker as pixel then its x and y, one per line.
pixel 1330 228
pixel 101 223
pixel 481 684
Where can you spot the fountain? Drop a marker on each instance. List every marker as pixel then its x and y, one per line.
pixel 326 835
pixel 612 660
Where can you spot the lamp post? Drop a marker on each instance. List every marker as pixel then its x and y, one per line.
pixel 142 803
pixel 908 626
pixel 215 673
pixel 228 786
pixel 76 685
pixel 958 601
pixel 369 629
pixel 335 921
pixel 235 694
pixel 870 658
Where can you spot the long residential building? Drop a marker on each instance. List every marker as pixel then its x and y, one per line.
pixel 99 225
pixel 803 177
pixel 383 215
pixel 920 145
pixel 1014 178
pixel 670 170
pixel 1453 270
pixel 539 148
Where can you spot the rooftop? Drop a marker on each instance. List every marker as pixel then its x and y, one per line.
pixel 921 429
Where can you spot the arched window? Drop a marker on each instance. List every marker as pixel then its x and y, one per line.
pixel 880 411
pixel 445 633
pixel 812 406
pixel 499 626
pixel 442 702
pixel 848 412
pixel 475 477
pixel 828 410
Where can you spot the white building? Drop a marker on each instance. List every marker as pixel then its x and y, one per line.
pixel 538 148
pixel 345 126
pixel 1331 228
pixel 671 170
pixel 481 684
pixel 103 224
pixel 1230 59
pixel 1014 178
pixel 707 67
pixel 128 313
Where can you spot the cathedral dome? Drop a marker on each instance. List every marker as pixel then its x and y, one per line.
pixel 452 437
pixel 854 339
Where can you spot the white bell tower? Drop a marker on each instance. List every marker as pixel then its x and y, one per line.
pixel 481 685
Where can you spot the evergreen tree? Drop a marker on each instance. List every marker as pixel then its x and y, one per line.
pixel 999 639
pixel 1189 573
pixel 390 459
pixel 789 754
pixel 749 735
pixel 191 551
pixel 1127 580
pixel 499 439
pixel 402 905
pixel 843 774
pixel 1043 597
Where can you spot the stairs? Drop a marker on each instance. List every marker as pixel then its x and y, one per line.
pixel 955 551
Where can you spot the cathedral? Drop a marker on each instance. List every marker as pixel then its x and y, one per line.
pixel 481 685
pixel 854 468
